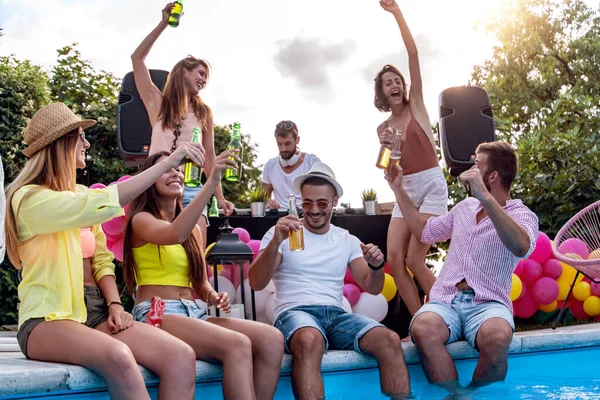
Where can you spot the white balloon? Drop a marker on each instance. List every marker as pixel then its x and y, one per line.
pixel 225 285
pixel 347 307
pixel 270 309
pixel 374 307
pixel 260 298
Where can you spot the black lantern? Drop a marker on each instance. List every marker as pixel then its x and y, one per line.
pixel 229 249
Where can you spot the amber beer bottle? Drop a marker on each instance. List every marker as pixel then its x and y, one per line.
pixel 193 173
pixel 176 14
pixel 296 237
pixel 233 175
pixel 395 154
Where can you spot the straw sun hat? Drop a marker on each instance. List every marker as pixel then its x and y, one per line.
pixel 50 123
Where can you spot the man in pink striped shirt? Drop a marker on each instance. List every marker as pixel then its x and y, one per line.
pixel 490 232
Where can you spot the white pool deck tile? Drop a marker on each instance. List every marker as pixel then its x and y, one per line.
pixel 19 376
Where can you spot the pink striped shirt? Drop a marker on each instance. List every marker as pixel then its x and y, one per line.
pixel 476 252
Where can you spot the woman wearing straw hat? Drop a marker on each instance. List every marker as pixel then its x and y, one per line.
pixel 45 213
pixel 176 111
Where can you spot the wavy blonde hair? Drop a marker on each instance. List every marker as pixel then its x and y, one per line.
pixel 49 169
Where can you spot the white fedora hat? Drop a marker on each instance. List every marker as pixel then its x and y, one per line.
pixel 319 170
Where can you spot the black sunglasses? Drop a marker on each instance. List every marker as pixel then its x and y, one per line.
pixel 285 125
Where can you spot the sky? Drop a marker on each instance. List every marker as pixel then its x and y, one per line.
pixel 310 61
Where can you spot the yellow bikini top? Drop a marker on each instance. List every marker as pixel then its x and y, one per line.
pixel 162 265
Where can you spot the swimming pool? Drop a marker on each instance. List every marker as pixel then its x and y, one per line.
pixel 559 374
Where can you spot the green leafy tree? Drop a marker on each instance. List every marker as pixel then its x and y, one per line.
pixel 239 193
pixel 91 94
pixel 544 83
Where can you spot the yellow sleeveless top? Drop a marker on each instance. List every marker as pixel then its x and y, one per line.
pixel 162 265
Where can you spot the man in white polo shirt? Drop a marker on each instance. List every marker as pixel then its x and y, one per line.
pixel 308 290
pixel 279 172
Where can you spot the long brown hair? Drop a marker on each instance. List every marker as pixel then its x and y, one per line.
pixel 380 101
pixel 54 168
pixel 149 202
pixel 175 101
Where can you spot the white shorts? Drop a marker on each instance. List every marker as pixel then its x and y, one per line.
pixel 427 190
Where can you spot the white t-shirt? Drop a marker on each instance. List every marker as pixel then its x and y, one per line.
pixel 316 274
pixel 273 174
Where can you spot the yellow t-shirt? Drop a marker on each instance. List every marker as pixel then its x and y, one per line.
pixel 48 224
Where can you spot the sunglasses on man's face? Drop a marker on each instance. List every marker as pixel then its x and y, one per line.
pixel 321 204
pixel 285 125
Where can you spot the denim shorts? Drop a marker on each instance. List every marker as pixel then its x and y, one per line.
pixel 340 329
pixel 189 193
pixel 427 190
pixel 185 307
pixel 463 318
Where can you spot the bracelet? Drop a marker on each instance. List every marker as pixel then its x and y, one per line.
pixel 376 268
pixel 115 302
pixel 208 296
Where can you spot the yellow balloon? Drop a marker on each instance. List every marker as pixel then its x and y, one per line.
pixel 563 290
pixel 517 287
pixel 569 273
pixel 389 287
pixel 594 255
pixel 582 290
pixel 548 307
pixel 591 306
pixel 210 246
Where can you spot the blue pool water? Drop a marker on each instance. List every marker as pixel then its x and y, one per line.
pixel 564 374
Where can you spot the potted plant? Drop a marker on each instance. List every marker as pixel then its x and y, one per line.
pixel 258 200
pixel 369 199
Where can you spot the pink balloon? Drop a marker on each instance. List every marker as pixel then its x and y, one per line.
pixel 349 278
pixel 595 289
pixel 519 269
pixel 543 248
pixel 243 234
pixel 117 249
pixel 123 178
pixel 98 186
pixel 126 208
pixel 525 307
pixel 352 293
pixel 552 268
pixel 115 226
pixel 544 291
pixel 254 246
pixel 576 246
pixel 532 271
pixel 523 292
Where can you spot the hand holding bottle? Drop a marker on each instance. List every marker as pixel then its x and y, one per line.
pixel 166 13
pixel 387 136
pixel 226 160
pixel 185 150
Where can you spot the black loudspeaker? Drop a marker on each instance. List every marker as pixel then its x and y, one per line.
pixel 133 125
pixel 466 121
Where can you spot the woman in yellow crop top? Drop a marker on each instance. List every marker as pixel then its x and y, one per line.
pixel 60 320
pixel 174 112
pixel 424 180
pixel 162 256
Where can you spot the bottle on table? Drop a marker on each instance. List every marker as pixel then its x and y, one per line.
pixel 214 210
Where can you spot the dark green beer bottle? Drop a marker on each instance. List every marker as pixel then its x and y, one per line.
pixel 233 175
pixel 193 173
pixel 176 14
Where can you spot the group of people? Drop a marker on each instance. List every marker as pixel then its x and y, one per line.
pixel 69 296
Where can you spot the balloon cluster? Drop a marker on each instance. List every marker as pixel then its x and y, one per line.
pixel 115 228
pixel 361 302
pixel 541 282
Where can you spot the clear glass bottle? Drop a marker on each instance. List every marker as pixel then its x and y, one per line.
pixel 296 237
